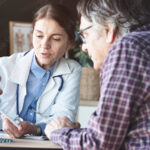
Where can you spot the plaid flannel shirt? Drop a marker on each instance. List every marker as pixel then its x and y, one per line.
pixel 122 118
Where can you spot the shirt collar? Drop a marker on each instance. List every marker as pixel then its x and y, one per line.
pixel 38 71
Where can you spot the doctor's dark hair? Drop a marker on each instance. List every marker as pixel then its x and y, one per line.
pixel 60 14
pixel 125 15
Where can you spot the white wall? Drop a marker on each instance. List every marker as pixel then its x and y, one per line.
pixel 84 113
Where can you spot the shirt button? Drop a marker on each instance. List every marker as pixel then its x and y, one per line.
pixel 31 114
pixel 43 84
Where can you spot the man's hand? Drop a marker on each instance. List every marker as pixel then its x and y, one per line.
pixel 1 89
pixel 58 123
pixel 16 132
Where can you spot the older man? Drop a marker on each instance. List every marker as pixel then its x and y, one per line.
pixel 116 35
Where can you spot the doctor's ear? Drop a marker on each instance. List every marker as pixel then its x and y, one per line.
pixel 110 37
pixel 69 45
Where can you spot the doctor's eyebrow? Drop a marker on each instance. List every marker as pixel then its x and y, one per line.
pixel 59 34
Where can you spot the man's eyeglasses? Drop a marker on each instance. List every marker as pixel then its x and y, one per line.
pixel 80 35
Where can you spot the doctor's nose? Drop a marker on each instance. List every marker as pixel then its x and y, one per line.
pixel 45 43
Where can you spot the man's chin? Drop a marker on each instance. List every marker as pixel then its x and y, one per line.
pixel 97 67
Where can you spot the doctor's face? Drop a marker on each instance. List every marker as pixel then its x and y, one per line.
pixel 95 42
pixel 50 42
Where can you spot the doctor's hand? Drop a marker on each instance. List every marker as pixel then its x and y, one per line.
pixel 0 89
pixel 16 132
pixel 58 123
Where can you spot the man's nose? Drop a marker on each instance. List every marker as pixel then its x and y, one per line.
pixel 84 48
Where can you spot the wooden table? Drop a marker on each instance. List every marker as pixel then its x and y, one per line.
pixel 23 144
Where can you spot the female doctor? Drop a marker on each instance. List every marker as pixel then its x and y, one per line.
pixel 40 85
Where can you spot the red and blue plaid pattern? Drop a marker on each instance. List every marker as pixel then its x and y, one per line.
pixel 122 118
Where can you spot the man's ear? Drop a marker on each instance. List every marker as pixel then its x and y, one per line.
pixel 110 33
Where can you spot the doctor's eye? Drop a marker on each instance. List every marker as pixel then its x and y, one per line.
pixel 56 39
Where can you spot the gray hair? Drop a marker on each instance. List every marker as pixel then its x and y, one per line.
pixel 125 15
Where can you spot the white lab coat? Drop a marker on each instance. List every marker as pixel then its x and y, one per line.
pixel 15 70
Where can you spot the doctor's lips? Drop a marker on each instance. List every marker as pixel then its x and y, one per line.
pixel 46 55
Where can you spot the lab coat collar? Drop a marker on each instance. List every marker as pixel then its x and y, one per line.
pixel 20 70
pixel 61 68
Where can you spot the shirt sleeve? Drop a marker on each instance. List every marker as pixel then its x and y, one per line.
pixel 120 94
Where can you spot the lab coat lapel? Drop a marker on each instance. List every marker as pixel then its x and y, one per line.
pixel 47 96
pixel 61 68
pixel 20 74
